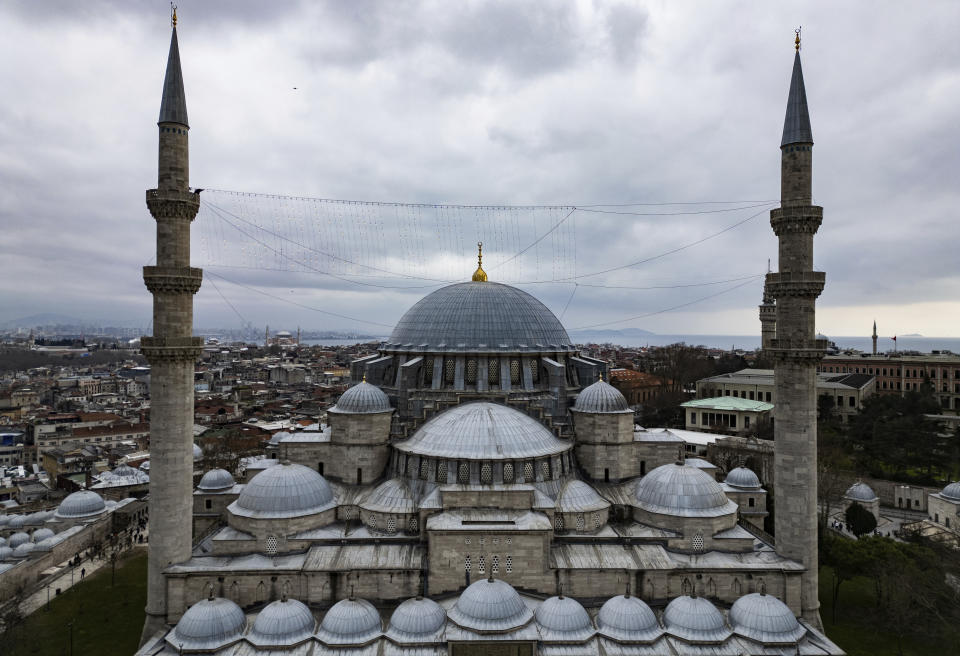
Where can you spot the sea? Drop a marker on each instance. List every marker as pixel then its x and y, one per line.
pixel 729 342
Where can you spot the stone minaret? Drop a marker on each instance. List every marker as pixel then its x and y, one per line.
pixel 874 336
pixel 795 349
pixel 768 319
pixel 172 350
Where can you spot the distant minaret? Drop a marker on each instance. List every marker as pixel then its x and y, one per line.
pixel 795 350
pixel 172 350
pixel 874 336
pixel 266 336
pixel 768 319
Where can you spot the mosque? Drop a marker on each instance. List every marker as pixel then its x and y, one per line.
pixel 480 489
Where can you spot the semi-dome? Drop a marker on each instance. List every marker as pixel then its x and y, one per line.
pixel 683 491
pixel 577 496
pixel 860 492
pixel 563 615
pixel 490 605
pixel 483 431
pixel 208 624
pixel 391 496
pixel 742 477
pixel 478 317
pixel 628 619
pixel 766 619
pixel 282 623
pixel 695 619
pixel 601 398
pixel 80 505
pixel 42 534
pixel 17 539
pixel 416 618
pixel 216 479
pixel 284 490
pixel 24 550
pixel 951 491
pixel 362 399
pixel 350 622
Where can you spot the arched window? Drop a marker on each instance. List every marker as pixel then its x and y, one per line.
pixel 413 526
pixel 495 565
pixel 711 588
pixel 515 372
pixel 442 471
pixel 449 369
pixel 428 371
pixel 486 474
pixel 424 469
pixel 737 588
pixel 391 525
pixel 509 563
pixel 597 521
pixel 535 372
pixel 545 469
pixel 472 371
pixel 481 565
pixel 272 545
pixel 697 542
pixel 581 524
pixel 686 588
pixel 528 472
pixel 493 371
pixel 467 565
pixel 558 522
pixel 463 473
pixel 508 473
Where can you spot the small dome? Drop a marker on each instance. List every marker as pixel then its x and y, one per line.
pixel 209 624
pixel 860 492
pixel 124 470
pixel 416 617
pixel 24 550
pixel 35 519
pixel 362 399
pixel 282 623
pixel 5 519
pixel 278 437
pixel 284 490
pixel 17 539
pixel 6 553
pixel 490 605
pixel 766 619
pixel 17 521
pixel 695 619
pixel 577 496
pixel 391 496
pixel 742 477
pixel 145 465
pixel 216 479
pixel 601 398
pixel 350 622
pixel 483 431
pixel 47 544
pixel 42 534
pixel 628 619
pixel 80 505
pixel 197 452
pixel 3 542
pixel 952 491
pixel 683 491
pixel 563 614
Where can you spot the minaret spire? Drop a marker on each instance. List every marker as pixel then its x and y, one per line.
pixel 874 336
pixel 796 124
pixel 173 103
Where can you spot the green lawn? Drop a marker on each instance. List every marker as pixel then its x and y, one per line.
pixel 106 619
pixel 855 632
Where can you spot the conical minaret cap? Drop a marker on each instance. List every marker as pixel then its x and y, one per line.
pixel 173 104
pixel 796 125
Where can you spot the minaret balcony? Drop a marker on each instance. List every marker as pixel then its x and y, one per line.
pixel 172 280
pixel 797 284
pixel 796 219
pixel 173 204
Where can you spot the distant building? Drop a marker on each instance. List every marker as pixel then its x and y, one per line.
pixel 897 373
pixel 727 414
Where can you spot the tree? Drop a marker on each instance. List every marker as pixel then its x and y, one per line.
pixel 860 520
pixel 846 560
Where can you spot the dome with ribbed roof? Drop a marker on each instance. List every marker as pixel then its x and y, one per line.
pixel 81 505
pixel 601 398
pixel 216 479
pixel 490 605
pixel 282 623
pixel 860 492
pixel 361 399
pixel 391 496
pixel 42 534
pixel 766 619
pixel 350 622
pixel 951 491
pixel 208 625
pixel 6 553
pixel 577 496
pixel 284 490
pixel 17 539
pixel 124 470
pixel 24 550
pixel 563 615
pixel 197 452
pixel 695 619
pixel 743 478
pixel 17 521
pixel 683 491
pixel 479 317
pixel 628 619
pixel 416 618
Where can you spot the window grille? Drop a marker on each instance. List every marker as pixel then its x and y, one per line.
pixel 442 472
pixel 486 474
pixel 508 473
pixel 515 372
pixel 391 525
pixel 471 371
pixel 467 565
pixel 483 540
pixel 597 521
pixel 273 545
pixel 495 565
pixel 463 473
pixel 545 469
pixel 528 472
pixel 581 524
pixel 414 525
pixel 466 540
pixel 509 540
pixel 698 541
pixel 509 564
pixel 449 369
pixel 424 469
pixel 558 522
pixel 496 540
pixel 535 373
pixel 493 371
pixel 481 565
pixel 372 521
pixel 428 371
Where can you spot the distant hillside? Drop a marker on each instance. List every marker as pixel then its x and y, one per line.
pixel 43 319
pixel 626 332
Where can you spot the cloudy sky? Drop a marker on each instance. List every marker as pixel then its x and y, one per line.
pixel 657 113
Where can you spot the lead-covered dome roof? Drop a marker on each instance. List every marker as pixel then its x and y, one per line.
pixel 742 477
pixel 483 431
pixel 362 399
pixel 282 623
pixel 284 490
pixel 478 317
pixel 216 479
pixel 80 505
pixel 601 398
pixel 565 616
pixel 416 618
pixel 682 491
pixel 628 619
pixel 951 491
pixel 490 605
pixel 577 496
pixel 695 619
pixel 860 492
pixel 766 619
pixel 350 622
pixel 17 539
pixel 391 496
pixel 208 624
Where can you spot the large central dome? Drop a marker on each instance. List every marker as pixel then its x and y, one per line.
pixel 479 317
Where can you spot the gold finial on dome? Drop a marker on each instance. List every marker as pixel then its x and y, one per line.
pixel 479 275
pixel 796 43
pixel 173 15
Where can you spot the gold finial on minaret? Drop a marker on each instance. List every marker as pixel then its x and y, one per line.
pixel 601 377
pixel 479 275
pixel 796 43
pixel 173 15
